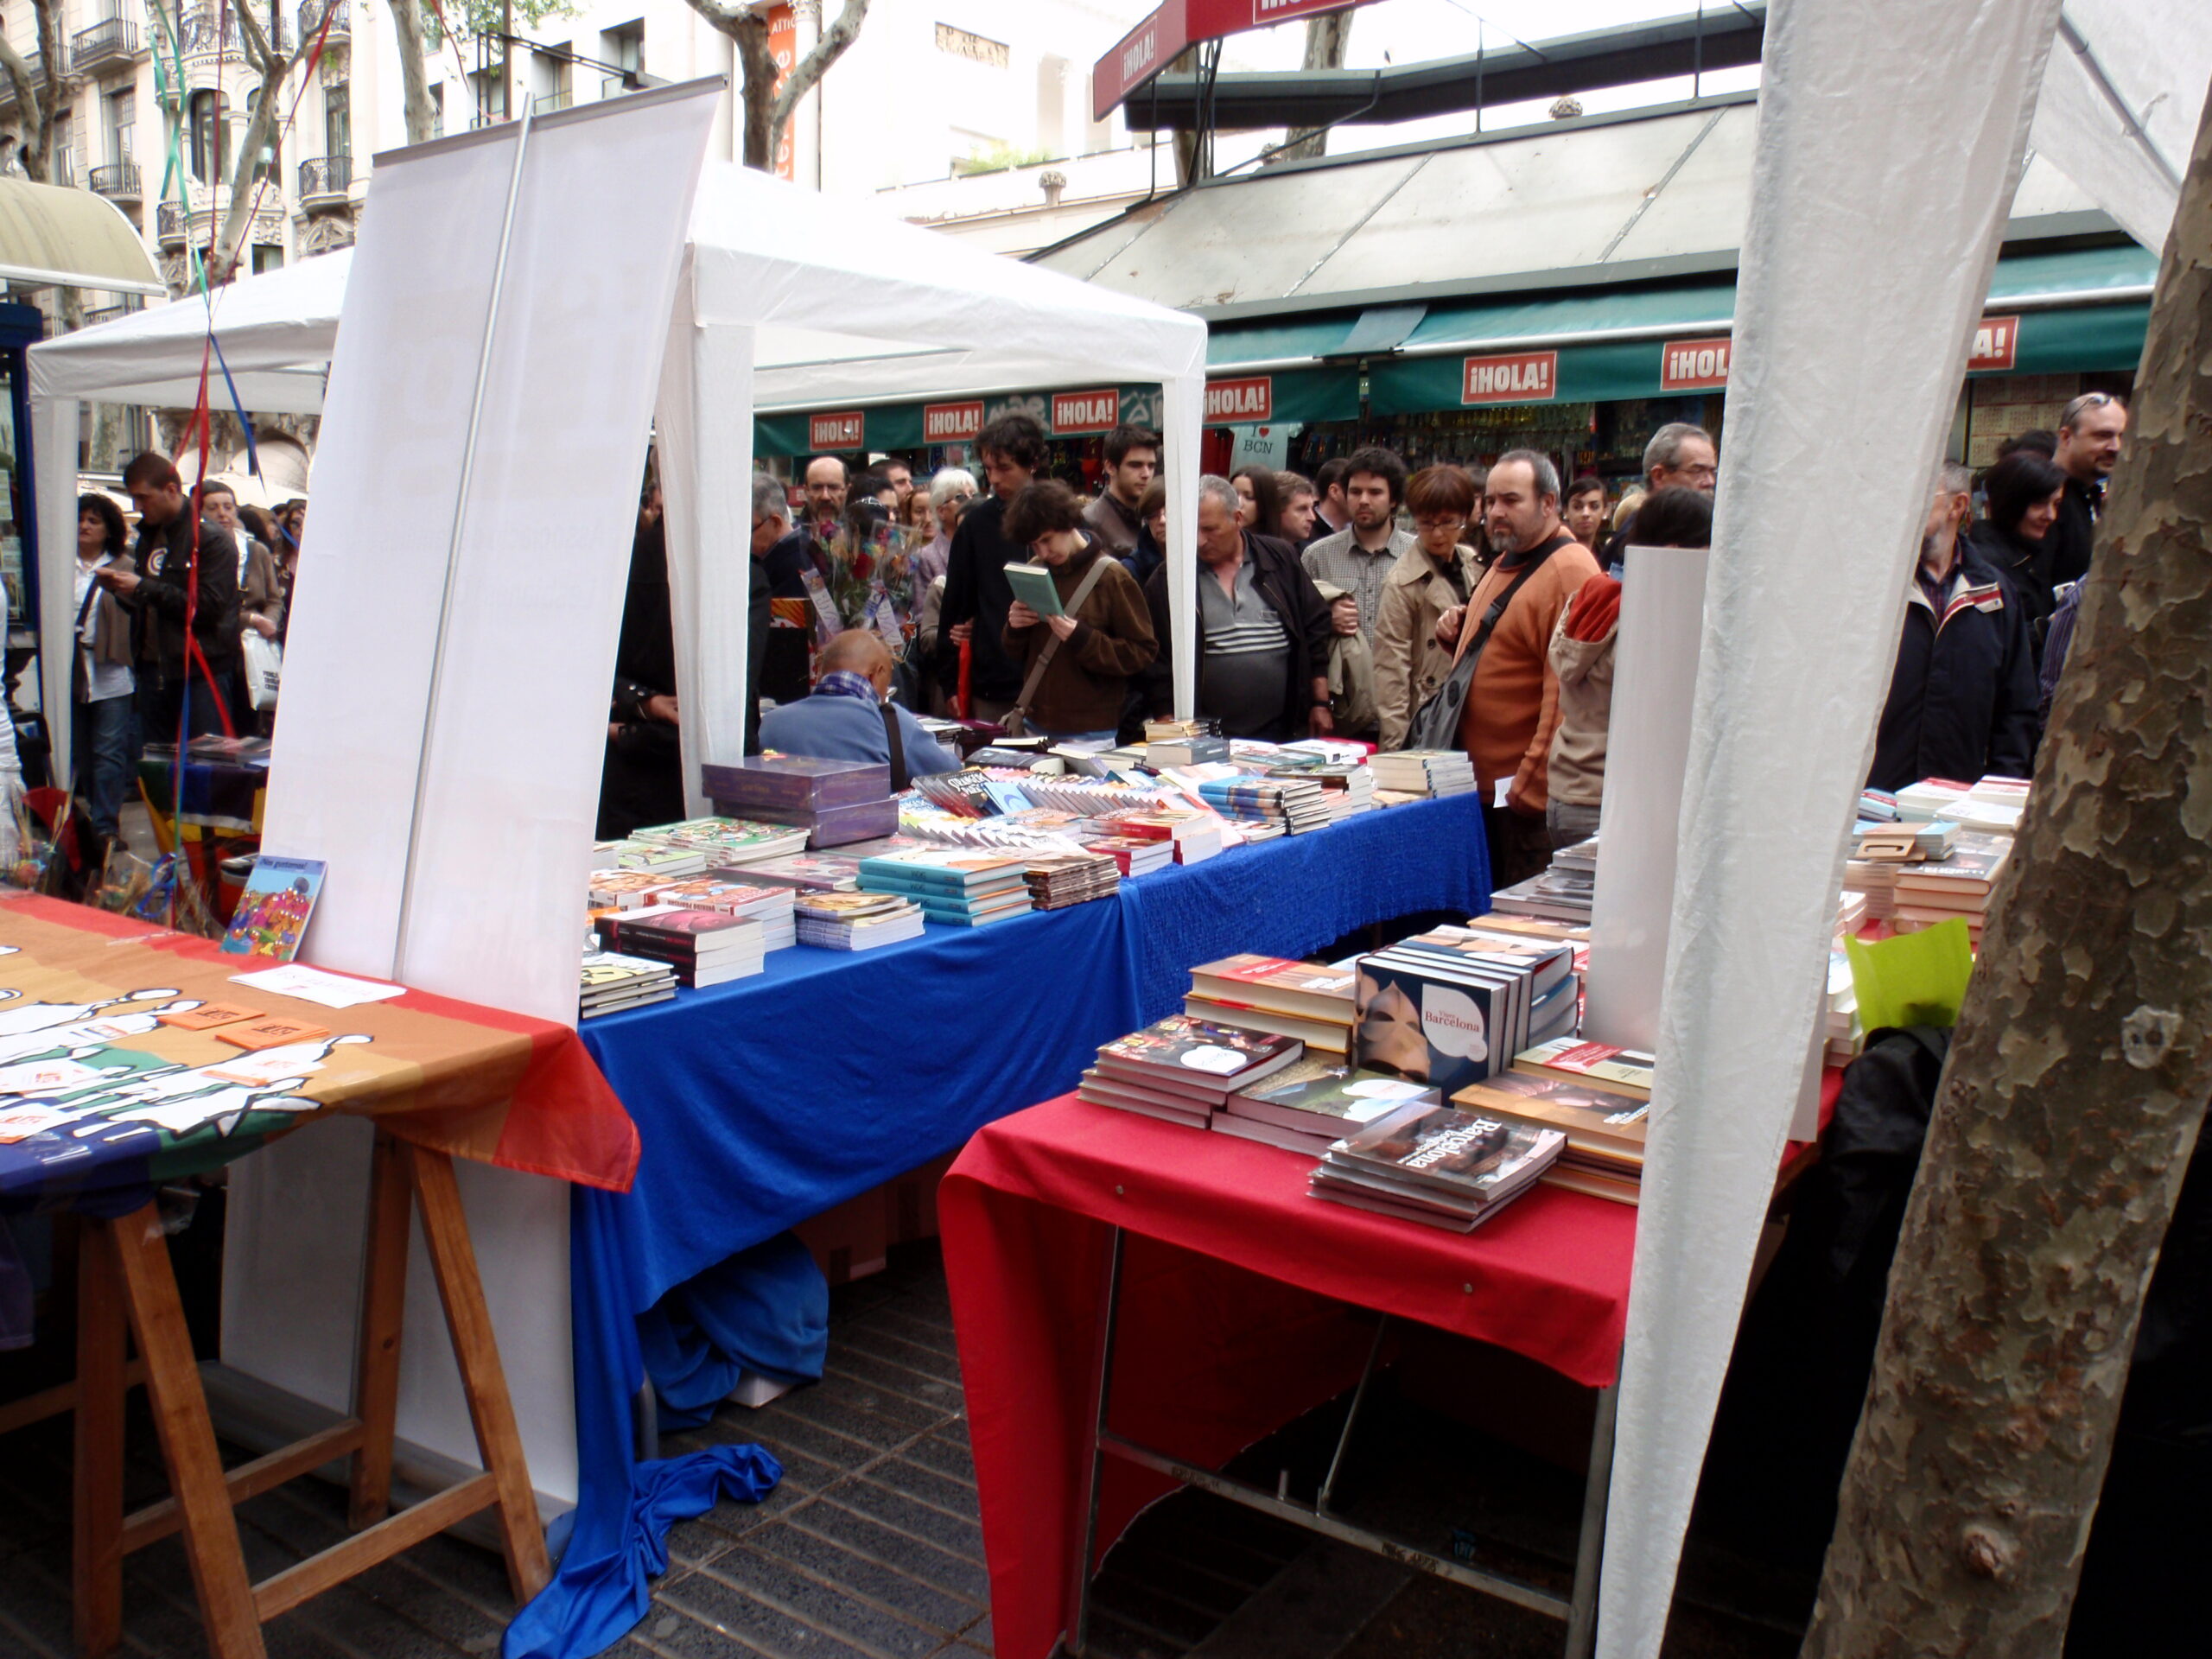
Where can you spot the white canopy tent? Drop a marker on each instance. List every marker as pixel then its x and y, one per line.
pixel 790 299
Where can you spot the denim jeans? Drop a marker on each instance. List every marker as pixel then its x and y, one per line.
pixel 99 751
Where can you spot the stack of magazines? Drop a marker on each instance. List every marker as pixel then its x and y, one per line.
pixel 855 921
pixel 1437 1166
pixel 1181 1069
pixel 1424 771
pixel 1057 880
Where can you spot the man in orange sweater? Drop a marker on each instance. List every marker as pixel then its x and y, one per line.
pixel 1513 702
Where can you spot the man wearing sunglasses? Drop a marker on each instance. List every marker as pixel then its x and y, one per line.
pixel 2088 448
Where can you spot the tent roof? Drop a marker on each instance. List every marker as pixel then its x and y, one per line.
pixel 938 314
pixel 71 237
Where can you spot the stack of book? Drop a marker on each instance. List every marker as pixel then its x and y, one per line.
pixel 1958 886
pixel 611 983
pixel 1346 787
pixel 1448 1018
pixel 951 886
pixel 622 889
pixel 1604 1155
pixel 1843 1037
pixel 1307 1107
pixel 1283 998
pixel 1060 880
pixel 1289 805
pixel 704 947
pixel 1850 911
pixel 767 904
pixel 665 860
pixel 1424 771
pixel 1599 1065
pixel 1193 836
pixel 803 872
pixel 1183 743
pixel 1995 806
pixel 1877 806
pixel 1436 1165
pixel 1181 1069
pixel 1567 891
pixel 1553 967
pixel 729 840
pixel 1133 855
pixel 834 801
pixel 855 921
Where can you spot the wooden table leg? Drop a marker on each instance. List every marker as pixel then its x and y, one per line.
pixel 96 1507
pixel 210 1533
pixel 453 1260
pixel 383 1308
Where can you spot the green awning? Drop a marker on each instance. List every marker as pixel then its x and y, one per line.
pixel 70 238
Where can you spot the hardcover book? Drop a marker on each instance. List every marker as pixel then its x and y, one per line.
pixel 1591 1118
pixel 1439 1025
pixel 1033 585
pixel 1305 989
pixel 1621 1071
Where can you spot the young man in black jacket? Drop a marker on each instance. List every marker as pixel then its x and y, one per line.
pixel 1962 699
pixel 1263 632
pixel 976 594
pixel 164 590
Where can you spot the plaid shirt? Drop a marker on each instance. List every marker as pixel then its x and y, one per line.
pixel 1340 559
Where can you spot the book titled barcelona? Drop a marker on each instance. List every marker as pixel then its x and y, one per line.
pixel 272 914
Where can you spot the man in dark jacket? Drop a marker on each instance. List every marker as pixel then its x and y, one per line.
pixel 2088 448
pixel 161 592
pixel 1263 632
pixel 976 595
pixel 641 781
pixel 1962 698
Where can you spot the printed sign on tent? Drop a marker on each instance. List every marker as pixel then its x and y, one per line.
pixel 847 429
pixel 1252 398
pixel 1514 378
pixel 1075 412
pixel 1693 365
pixel 952 423
pixel 1996 346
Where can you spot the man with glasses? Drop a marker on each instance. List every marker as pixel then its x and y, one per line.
pixel 1359 557
pixel 2089 432
pixel 1679 454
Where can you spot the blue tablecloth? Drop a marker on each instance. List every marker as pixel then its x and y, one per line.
pixel 763 1103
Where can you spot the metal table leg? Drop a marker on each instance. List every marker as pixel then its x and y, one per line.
pixel 1097 1446
pixel 1582 1609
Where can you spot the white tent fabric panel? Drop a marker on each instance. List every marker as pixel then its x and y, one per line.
pixel 1850 342
pixel 2120 103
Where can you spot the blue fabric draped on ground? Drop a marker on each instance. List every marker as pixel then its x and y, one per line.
pixel 763 1103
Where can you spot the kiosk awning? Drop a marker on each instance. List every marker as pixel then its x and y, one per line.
pixel 70 238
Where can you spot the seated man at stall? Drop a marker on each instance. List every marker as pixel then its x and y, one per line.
pixel 846 717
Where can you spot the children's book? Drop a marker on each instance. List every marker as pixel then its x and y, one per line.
pixel 272 914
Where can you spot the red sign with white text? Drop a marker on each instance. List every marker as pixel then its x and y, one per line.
pixel 1240 401
pixel 782 47
pixel 1515 378
pixel 952 422
pixel 1693 365
pixel 1996 346
pixel 846 431
pixel 1152 44
pixel 1086 411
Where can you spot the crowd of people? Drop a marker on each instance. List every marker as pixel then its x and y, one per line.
pixel 1462 608
pixel 161 654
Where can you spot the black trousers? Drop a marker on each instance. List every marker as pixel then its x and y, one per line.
pixel 167 705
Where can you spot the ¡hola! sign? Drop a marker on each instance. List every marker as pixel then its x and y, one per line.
pixel 1693 365
pixel 952 423
pixel 1252 399
pixel 1515 378
pixel 1086 411
pixel 1996 346
pixel 845 430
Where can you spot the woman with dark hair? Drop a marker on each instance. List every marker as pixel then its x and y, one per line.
pixel 2023 491
pixel 1076 664
pixel 100 678
pixel 1261 513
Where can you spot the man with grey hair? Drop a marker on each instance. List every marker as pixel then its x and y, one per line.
pixel 1678 456
pixel 1962 695
pixel 2089 432
pixel 1264 631
pixel 1512 706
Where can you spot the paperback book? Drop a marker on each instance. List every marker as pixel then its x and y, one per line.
pixel 273 912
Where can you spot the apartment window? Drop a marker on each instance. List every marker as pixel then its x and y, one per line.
pixel 438 109
pixel 624 48
pixel 61 160
pixel 338 118
pixel 490 89
pixel 120 112
pixel 209 118
pixel 267 257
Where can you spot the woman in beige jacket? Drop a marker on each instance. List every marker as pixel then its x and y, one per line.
pixel 1435 574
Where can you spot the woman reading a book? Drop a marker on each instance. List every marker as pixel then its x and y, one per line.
pixel 1078 629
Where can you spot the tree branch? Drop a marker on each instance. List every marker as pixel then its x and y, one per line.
pixel 415 81
pixel 807 73
pixel 28 146
pixel 261 129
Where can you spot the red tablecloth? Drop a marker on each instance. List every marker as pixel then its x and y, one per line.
pixel 1236 1313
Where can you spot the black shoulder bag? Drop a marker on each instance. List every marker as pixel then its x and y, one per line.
pixel 1436 724
pixel 901 778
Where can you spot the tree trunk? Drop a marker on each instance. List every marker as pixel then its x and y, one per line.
pixel 757 98
pixel 413 81
pixel 2077 1084
pixel 1327 37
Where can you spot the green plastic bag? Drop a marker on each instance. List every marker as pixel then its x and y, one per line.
pixel 1914 979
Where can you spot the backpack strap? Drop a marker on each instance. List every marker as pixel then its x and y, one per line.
pixel 901 778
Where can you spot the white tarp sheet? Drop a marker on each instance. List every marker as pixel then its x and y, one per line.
pixel 1864 268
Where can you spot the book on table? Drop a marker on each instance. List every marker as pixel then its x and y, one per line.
pixel 1306 990
pixel 273 912
pixel 1104 1089
pixel 806 872
pixel 1436 1165
pixel 1602 1129
pixel 1183 1068
pixel 1315 1033
pixel 727 840
pixel 1316 1096
pixel 1546 962
pixel 1438 1021
pixel 795 781
pixel 1618 1070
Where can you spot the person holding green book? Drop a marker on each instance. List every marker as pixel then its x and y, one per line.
pixel 1078 628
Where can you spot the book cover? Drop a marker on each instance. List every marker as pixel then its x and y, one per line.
pixel 1465 1155
pixel 1415 1023
pixel 1318 1097
pixel 1587 1115
pixel 272 914
pixel 1182 1046
pixel 1305 988
pixel 1315 1033
pixel 1622 1070
pixel 806 872
pixel 1033 585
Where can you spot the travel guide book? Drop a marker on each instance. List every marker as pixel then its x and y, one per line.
pixel 1304 989
pixel 1620 1070
pixel 1435 1021
pixel 272 914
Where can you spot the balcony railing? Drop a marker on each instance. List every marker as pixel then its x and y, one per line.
pixel 171 227
pixel 108 313
pixel 326 175
pixel 197 32
pixel 117 181
pixel 546 102
pixel 341 20
pixel 111 40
